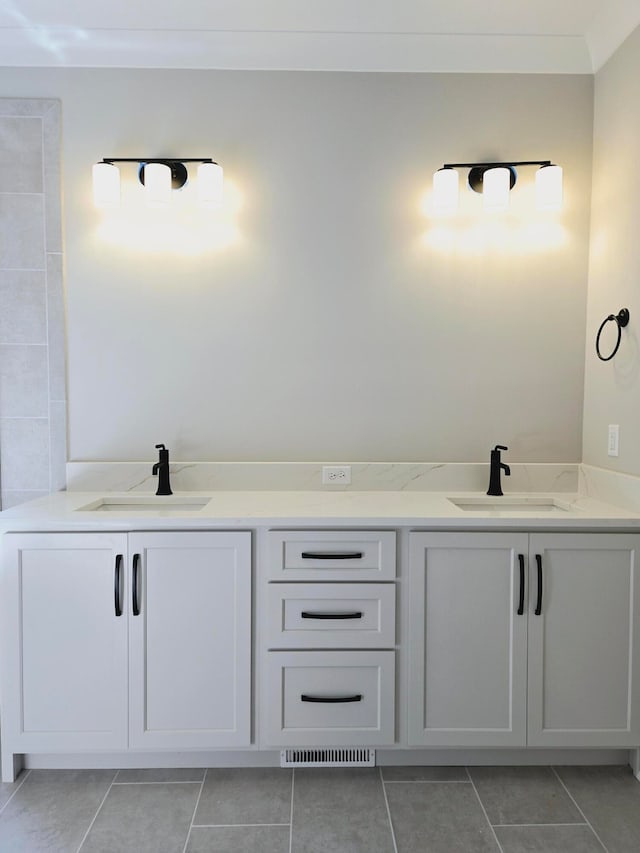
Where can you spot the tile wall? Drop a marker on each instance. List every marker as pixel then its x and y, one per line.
pixel 32 348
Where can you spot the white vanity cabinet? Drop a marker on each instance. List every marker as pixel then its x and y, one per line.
pixel 113 641
pixel 329 655
pixel 520 639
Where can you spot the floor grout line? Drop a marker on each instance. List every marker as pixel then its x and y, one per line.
pixel 576 823
pixel 195 809
pixel 24 778
pixel 230 825
pixel 166 782
pixel 579 809
pixel 84 837
pixel 484 811
pixel 293 782
pixel 426 781
pixel 386 802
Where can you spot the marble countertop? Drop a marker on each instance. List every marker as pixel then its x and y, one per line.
pixel 246 509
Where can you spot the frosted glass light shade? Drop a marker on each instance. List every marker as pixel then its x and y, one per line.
pixel 157 184
pixel 106 185
pixel 445 191
pixel 210 182
pixel 549 188
pixel 496 184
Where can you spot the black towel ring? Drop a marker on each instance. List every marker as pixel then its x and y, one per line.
pixel 622 319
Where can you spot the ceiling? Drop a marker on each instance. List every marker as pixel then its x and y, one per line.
pixel 545 36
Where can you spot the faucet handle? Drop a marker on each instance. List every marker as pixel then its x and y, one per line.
pixel 500 447
pixel 160 447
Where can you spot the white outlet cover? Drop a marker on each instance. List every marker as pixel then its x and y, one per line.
pixel 336 475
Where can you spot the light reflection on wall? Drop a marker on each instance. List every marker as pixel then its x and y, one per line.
pixel 473 231
pixel 183 228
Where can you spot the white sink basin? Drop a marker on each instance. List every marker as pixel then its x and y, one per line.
pixel 160 503
pixel 488 503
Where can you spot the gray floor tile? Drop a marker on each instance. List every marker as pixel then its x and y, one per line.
pixel 610 800
pixel 523 795
pixel 424 774
pixel 52 810
pixel 143 819
pixel 340 811
pixel 245 795
pixel 8 789
pixel 548 839
pixel 239 839
pixel 169 774
pixel 439 818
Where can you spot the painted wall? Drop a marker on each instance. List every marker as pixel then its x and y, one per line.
pixel 32 350
pixel 323 314
pixel 612 389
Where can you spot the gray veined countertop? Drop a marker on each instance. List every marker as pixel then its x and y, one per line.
pixel 232 509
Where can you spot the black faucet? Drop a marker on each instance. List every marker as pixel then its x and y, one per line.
pixel 161 468
pixel 494 478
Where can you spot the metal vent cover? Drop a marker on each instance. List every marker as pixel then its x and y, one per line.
pixel 338 757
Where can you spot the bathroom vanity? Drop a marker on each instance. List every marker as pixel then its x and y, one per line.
pixel 138 630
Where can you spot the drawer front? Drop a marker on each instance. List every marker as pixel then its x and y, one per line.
pixel 343 555
pixel 330 698
pixel 338 616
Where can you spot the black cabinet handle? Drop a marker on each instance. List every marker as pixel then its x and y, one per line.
pixel 521 600
pixel 332 555
pixel 357 697
pixel 117 584
pixel 134 585
pixel 309 614
pixel 538 610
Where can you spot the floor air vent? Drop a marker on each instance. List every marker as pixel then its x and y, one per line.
pixel 328 758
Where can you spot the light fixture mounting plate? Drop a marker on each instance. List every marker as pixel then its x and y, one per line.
pixel 476 175
pixel 179 172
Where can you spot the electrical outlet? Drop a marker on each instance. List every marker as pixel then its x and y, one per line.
pixel 614 439
pixel 336 475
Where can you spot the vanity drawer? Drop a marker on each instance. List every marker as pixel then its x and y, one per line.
pixel 345 616
pixel 344 555
pixel 330 698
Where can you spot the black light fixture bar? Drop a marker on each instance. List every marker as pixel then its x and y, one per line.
pixel 492 165
pixel 167 160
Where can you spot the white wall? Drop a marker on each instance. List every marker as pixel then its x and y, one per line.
pixel 330 318
pixel 612 389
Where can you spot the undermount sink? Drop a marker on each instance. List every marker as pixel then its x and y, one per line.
pixel 489 503
pixel 159 503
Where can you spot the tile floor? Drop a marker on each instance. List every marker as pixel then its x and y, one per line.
pixel 270 810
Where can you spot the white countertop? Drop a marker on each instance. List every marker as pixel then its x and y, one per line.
pixel 246 509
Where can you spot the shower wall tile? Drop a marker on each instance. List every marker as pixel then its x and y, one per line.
pixel 22 231
pixel 23 318
pixel 32 342
pixel 23 381
pixel 21 154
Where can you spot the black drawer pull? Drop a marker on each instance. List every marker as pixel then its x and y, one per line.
pixel 521 601
pixel 538 610
pixel 332 555
pixel 357 697
pixel 134 585
pixel 309 614
pixel 117 585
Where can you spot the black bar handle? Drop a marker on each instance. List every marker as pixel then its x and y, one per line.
pixel 357 697
pixel 538 610
pixel 117 585
pixel 134 585
pixel 521 600
pixel 332 555
pixel 309 614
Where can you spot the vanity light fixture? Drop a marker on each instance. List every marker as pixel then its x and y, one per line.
pixel 494 181
pixel 159 176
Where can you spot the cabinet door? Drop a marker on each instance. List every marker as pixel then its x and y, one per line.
pixel 190 639
pixel 584 648
pixel 64 644
pixel 467 647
